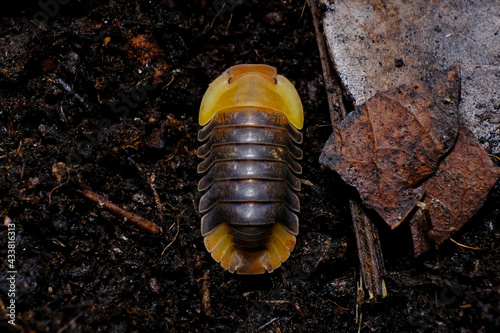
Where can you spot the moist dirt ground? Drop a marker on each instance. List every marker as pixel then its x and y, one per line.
pixel 104 96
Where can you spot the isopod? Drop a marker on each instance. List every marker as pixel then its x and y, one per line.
pixel 251 118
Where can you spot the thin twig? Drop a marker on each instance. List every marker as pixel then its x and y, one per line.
pixel 150 178
pixel 267 324
pixel 340 307
pixel 159 204
pixel 120 212
pixel 176 234
pixel 70 325
pixel 494 156
pixel 333 90
pixel 228 23
pixel 55 188
pixel 468 247
pixel 302 12
pixel 216 16
pixel 205 295
pixel 369 250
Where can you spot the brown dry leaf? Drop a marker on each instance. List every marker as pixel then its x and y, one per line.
pixel 454 194
pixel 391 144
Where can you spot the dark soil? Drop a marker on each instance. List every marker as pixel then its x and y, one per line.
pixel 104 96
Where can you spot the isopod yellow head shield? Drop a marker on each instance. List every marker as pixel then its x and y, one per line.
pixel 251 118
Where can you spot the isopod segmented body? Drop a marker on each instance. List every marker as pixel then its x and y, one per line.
pixel 251 118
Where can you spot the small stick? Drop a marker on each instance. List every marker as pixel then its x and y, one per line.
pixel 369 250
pixel 337 108
pixel 340 307
pixel 205 295
pixel 120 212
pixel 161 209
pixel 268 323
pixel 71 324
pixel 468 247
pixel 176 234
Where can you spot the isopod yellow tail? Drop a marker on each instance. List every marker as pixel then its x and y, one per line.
pixel 244 259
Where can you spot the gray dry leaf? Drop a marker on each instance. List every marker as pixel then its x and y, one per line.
pixel 379 45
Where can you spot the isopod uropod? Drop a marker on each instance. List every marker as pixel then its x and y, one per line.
pixel 251 118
